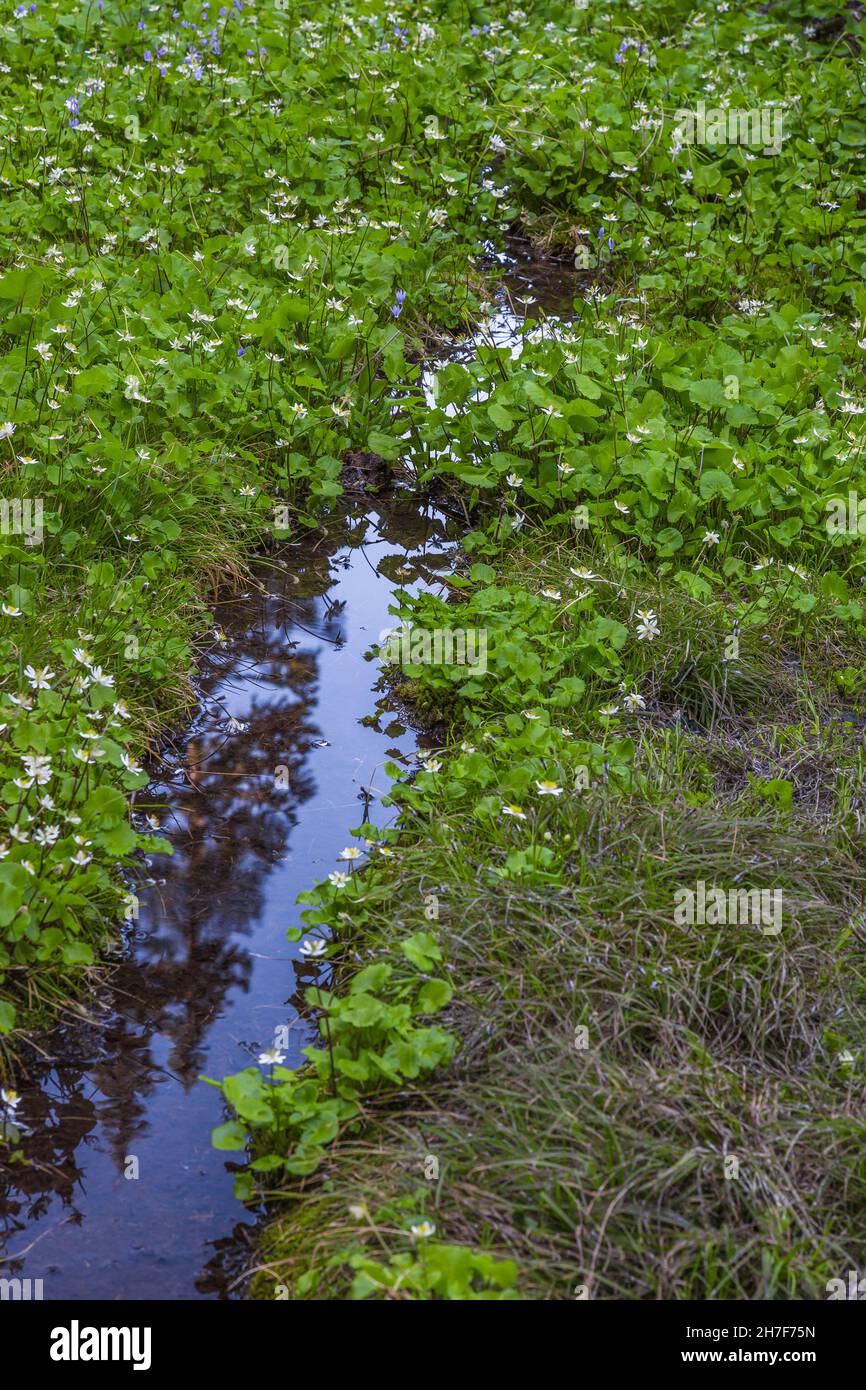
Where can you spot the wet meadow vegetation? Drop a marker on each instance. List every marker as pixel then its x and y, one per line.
pixel 251 247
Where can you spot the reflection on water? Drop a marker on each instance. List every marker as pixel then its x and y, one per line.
pixel 543 291
pixel 121 1195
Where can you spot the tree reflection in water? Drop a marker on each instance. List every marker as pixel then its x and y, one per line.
pixel 230 817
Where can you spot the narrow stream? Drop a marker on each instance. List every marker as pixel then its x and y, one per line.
pixel 122 1196
pixel 210 972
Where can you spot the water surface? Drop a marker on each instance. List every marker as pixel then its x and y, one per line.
pixel 285 756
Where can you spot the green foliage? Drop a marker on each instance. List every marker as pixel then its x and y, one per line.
pixel 376 1034
pixel 230 243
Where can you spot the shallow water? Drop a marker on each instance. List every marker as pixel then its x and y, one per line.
pixel 210 973
pixel 207 976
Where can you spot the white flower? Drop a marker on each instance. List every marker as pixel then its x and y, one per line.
pixel 39 678
pixel 132 392
pixel 11 611
pixel 548 789
pixel 350 852
pixel 608 711
pixel 272 1058
pixel 551 593
pixel 647 627
pixel 87 755
pixel 634 701
pixel 514 480
pixel 711 538
pixel 516 811
pixel 7 430
pixel 38 766
pixel 338 879
pixel 312 950
pixel 422 1229
pixel 620 506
